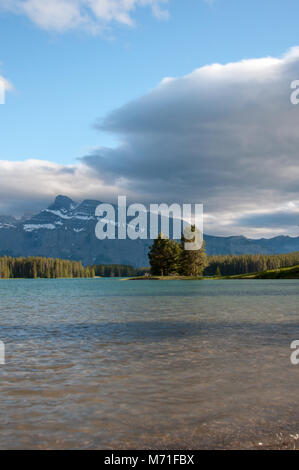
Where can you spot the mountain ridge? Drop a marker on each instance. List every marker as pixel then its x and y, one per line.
pixel 66 229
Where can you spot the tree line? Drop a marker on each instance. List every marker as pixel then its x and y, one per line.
pixel 118 270
pixel 229 265
pixel 39 267
pixel 167 257
pixel 114 270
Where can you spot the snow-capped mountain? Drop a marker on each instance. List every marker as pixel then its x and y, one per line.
pixel 63 214
pixel 67 230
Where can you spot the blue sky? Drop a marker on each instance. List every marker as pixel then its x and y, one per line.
pixel 67 74
pixel 64 81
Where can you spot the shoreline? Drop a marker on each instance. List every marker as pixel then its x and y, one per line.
pixel 224 278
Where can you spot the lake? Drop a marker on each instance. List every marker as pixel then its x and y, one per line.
pixel 111 364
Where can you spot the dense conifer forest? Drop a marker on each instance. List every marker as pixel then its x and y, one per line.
pixel 114 270
pixel 38 267
pixel 226 265
pixel 230 265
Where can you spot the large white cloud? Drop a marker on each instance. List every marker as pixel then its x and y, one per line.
pixel 225 135
pixel 91 15
pixel 29 185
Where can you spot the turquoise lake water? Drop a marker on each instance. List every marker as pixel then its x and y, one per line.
pixel 106 363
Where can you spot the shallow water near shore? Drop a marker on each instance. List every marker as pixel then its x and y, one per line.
pixel 109 364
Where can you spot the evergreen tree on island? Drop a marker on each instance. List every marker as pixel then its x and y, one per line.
pixel 192 262
pixel 164 256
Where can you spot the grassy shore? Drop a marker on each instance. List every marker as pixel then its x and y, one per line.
pixel 282 273
pixel 163 278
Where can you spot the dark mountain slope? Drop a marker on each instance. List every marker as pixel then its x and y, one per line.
pixel 67 230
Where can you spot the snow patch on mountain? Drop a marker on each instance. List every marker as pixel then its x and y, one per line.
pixel 64 215
pixel 32 227
pixel 7 226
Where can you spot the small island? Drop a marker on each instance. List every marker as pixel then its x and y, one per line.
pixel 170 261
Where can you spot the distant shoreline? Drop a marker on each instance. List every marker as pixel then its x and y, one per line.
pixel 281 273
pixel 45 278
pixel 278 274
